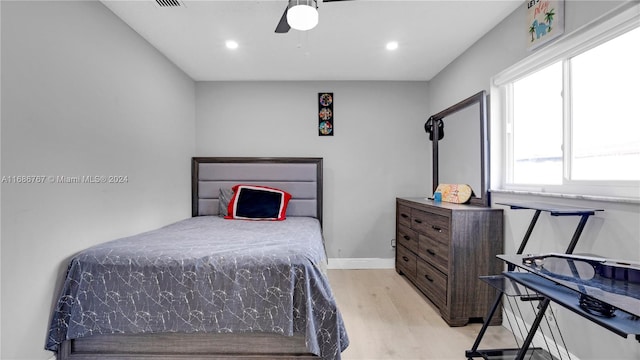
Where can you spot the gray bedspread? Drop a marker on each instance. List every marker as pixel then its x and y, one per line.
pixel 205 274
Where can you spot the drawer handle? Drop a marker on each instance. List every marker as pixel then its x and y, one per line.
pixel 407 237
pixel 404 215
pixel 418 221
pixel 405 258
pixel 428 278
pixel 431 252
pixel 436 228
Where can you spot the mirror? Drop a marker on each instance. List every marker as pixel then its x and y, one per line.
pixel 460 146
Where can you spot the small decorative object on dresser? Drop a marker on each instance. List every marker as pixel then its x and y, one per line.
pixel 442 248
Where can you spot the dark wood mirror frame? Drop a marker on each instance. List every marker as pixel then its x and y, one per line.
pixel 481 196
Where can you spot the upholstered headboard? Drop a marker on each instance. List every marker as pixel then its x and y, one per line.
pixel 301 177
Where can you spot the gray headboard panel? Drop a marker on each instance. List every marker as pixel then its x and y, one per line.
pixel 301 177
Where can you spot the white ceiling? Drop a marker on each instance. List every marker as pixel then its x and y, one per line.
pixel 348 43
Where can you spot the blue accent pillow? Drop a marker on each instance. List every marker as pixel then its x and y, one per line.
pixel 253 202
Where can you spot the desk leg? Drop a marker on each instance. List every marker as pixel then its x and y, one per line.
pixel 527 235
pixel 534 327
pixel 485 325
pixel 577 233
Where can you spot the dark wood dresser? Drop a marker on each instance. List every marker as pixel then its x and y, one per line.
pixel 442 248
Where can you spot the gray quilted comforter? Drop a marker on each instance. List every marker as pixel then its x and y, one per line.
pixel 204 274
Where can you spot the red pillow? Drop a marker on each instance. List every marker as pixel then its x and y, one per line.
pixel 253 202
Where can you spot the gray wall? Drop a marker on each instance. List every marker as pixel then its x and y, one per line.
pixel 82 94
pixel 379 150
pixel 613 234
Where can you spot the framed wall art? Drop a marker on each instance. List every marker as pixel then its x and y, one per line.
pixel 325 114
pixel 545 21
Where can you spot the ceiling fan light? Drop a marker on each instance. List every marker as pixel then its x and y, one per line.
pixel 302 15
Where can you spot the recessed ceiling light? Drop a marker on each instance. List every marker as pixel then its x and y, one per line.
pixel 231 44
pixel 392 45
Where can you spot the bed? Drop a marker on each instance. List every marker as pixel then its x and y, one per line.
pixel 200 288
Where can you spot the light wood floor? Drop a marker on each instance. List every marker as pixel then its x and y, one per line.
pixel 387 318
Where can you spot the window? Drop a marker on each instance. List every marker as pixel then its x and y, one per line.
pixel 605 110
pixel 536 129
pixel 571 113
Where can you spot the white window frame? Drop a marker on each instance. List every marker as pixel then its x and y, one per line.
pixel 589 36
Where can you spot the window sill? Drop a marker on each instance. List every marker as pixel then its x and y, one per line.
pixel 568 196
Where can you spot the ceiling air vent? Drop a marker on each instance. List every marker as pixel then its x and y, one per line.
pixel 169 3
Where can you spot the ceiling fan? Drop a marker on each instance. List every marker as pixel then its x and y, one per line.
pixel 300 15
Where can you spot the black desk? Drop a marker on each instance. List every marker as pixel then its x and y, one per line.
pixel 553 210
pixel 569 277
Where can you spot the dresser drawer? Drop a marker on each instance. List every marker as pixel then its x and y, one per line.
pixel 432 225
pixel 406 261
pixel 404 215
pixel 434 252
pixel 408 238
pixel 432 283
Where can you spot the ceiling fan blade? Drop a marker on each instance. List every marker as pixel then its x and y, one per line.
pixel 283 25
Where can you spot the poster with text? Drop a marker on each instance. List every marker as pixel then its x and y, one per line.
pixel 545 21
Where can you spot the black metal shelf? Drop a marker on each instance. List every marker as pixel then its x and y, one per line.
pixel 553 210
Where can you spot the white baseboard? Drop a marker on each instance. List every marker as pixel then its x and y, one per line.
pixel 361 263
